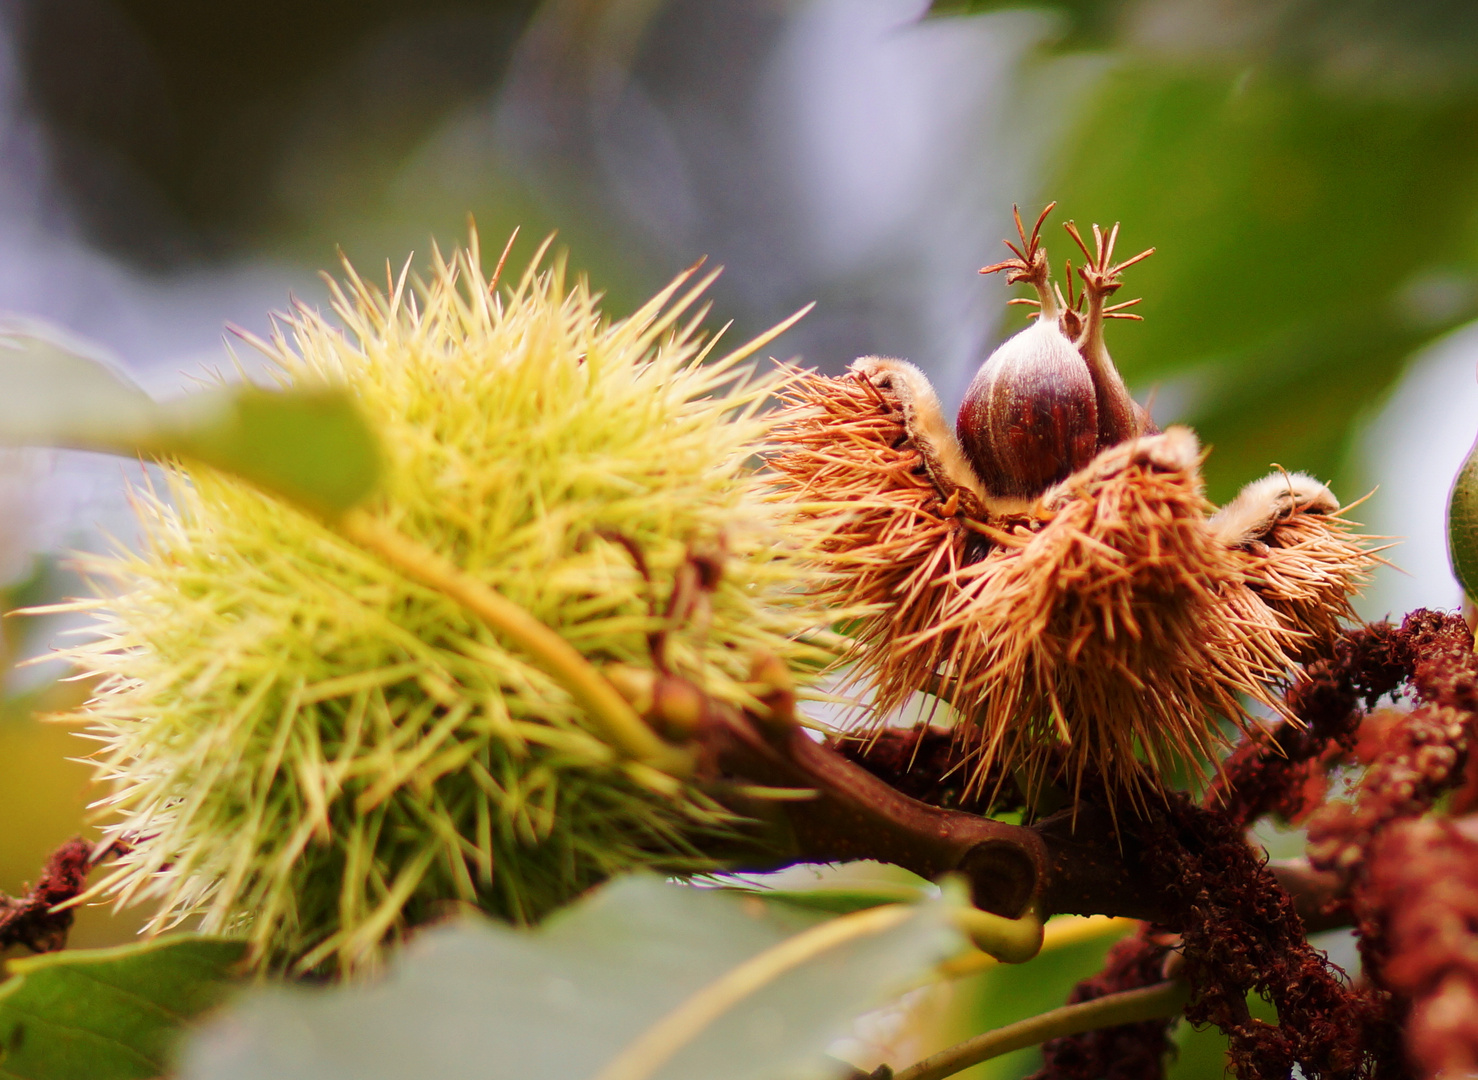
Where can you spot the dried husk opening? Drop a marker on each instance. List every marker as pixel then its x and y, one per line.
pixel 1108 628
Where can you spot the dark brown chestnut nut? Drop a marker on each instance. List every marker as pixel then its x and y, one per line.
pixel 1030 415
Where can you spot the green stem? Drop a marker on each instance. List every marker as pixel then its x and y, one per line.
pixel 618 722
pixel 1011 941
pixel 1126 1007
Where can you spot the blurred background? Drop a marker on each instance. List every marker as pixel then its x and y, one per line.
pixel 1307 170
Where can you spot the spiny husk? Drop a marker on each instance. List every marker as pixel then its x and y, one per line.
pixel 1107 629
pixel 890 549
pixel 1306 568
pixel 1112 628
pixel 310 749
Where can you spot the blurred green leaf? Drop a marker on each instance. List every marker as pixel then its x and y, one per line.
pixel 51 395
pixel 108 1014
pixel 310 445
pixel 486 1000
pixel 1417 45
pixel 1306 243
pixel 834 901
pixel 1085 22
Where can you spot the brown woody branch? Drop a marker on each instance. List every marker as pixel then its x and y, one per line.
pixel 1066 864
pixel 1080 860
pixel 1239 925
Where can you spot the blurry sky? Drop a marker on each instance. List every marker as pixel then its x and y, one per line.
pixel 168 168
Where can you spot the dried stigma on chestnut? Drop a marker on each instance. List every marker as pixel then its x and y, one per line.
pixel 1050 398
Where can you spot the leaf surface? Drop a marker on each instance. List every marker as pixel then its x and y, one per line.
pixel 1306 244
pixel 51 395
pixel 311 445
pixel 108 1014
pixel 480 999
pixel 1418 43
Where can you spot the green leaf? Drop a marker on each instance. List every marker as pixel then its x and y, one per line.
pixel 1404 44
pixel 108 1014
pixel 53 396
pixel 1307 243
pixel 561 1002
pixel 309 445
pixel 1462 524
pixel 1085 22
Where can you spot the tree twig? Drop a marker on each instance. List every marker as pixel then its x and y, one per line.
pixel 1074 862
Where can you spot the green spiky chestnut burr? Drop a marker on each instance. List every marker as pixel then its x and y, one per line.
pixel 313 735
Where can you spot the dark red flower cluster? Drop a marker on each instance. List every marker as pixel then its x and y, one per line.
pixel 1280 770
pixel 1415 759
pixel 31 920
pixel 1238 934
pixel 1411 884
pixel 1421 899
pixel 1242 936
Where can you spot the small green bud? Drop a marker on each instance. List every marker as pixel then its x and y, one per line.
pixel 1462 524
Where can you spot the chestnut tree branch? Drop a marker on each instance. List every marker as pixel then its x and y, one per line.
pixel 1071 862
